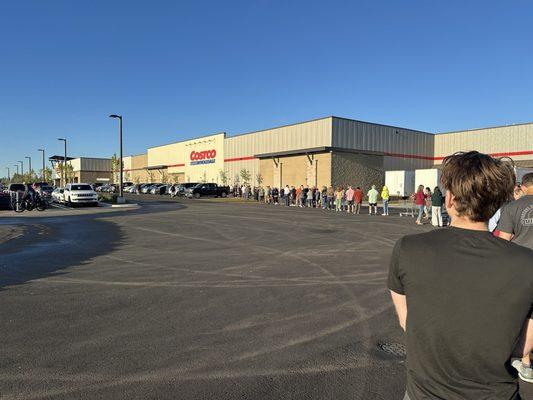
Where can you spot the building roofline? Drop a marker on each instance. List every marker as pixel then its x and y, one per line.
pixel 280 126
pixel 186 140
pixel 385 125
pixel 487 127
pixel 136 155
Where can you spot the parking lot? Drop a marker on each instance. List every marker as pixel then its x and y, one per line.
pixel 199 299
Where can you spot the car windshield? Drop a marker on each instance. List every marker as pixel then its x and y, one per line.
pixel 81 187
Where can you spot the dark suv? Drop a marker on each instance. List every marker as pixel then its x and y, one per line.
pixel 208 189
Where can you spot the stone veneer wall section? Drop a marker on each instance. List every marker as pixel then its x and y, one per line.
pixel 363 170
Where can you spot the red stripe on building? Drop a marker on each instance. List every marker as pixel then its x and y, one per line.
pixel 176 165
pixel 414 156
pixel 399 155
pixel 239 159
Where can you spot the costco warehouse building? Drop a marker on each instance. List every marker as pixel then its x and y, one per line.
pixel 326 151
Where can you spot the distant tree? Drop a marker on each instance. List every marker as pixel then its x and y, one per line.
pixel 245 175
pixel 115 168
pixel 236 179
pixel 259 179
pixel 47 174
pixel 137 179
pixel 70 173
pixel 223 177
pixel 151 176
pixel 204 177
pixel 164 177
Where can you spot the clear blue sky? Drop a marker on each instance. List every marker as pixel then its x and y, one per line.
pixel 178 69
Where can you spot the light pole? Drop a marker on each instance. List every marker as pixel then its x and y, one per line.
pixel 21 169
pixel 29 161
pixel 8 174
pixel 120 139
pixel 42 150
pixel 64 174
pixel 16 165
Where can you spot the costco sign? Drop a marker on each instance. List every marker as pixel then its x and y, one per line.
pixel 203 157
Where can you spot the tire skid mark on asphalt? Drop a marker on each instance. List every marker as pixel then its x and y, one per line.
pixel 172 375
pixel 226 285
pixel 246 325
pixel 318 335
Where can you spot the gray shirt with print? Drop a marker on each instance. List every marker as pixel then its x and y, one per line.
pixel 517 219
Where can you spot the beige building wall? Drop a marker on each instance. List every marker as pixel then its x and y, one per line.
pixel 515 141
pixel 240 150
pixel 196 160
pixel 314 170
pixel 135 168
pixel 405 149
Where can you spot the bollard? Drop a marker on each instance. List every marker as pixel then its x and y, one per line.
pixel 17 201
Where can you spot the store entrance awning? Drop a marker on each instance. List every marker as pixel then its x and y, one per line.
pixel 293 152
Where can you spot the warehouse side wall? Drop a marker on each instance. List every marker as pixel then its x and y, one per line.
pixel 313 170
pixel 239 151
pixel 404 148
pixel 515 141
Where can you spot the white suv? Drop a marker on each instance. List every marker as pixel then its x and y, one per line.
pixel 80 193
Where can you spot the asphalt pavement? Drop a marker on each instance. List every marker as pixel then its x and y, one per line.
pixel 208 299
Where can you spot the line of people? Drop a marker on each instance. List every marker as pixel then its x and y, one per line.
pixel 338 199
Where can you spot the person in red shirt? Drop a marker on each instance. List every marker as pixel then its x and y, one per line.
pixel 420 201
pixel 358 199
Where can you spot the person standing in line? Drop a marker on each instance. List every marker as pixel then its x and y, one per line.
pixel 261 195
pixel 339 193
pixel 268 195
pixel 286 195
pixel 358 199
pixel 420 201
pixel 464 297
pixel 310 198
pixel 324 197
pixel 349 199
pixel 493 223
pixel 373 200
pixel 331 195
pixel 385 197
pixel 516 225
pixel 299 196
pixel 427 202
pixel 275 195
pixel 436 207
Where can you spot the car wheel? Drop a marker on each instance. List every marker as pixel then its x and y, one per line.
pixel 223 194
pixel 197 195
pixel 69 203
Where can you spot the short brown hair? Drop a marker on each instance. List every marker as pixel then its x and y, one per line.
pixel 481 184
pixel 527 179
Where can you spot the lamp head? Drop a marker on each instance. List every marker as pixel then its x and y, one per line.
pixel 115 116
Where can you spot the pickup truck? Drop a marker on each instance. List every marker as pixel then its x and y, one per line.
pixel 208 189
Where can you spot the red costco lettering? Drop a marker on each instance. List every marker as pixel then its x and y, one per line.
pixel 203 155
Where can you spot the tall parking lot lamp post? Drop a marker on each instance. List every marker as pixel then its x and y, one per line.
pixel 29 164
pixel 64 174
pixel 21 169
pixel 42 150
pixel 121 164
pixel 8 174
pixel 16 165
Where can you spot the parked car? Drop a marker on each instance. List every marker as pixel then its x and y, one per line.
pixel 208 189
pixel 147 189
pixel 5 199
pixel 80 193
pixel 183 188
pixel 57 196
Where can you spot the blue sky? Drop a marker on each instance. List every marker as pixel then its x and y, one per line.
pixel 179 69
